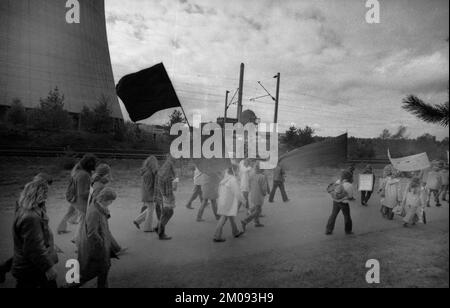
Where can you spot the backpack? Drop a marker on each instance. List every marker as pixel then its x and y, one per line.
pixel 336 190
pixel 71 192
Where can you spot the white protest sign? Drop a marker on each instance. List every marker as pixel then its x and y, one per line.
pixel 365 182
pixel 410 163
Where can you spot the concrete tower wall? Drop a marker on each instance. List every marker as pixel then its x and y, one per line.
pixel 39 50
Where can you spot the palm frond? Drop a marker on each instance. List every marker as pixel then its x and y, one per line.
pixel 426 112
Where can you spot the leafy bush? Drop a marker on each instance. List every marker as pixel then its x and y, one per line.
pixel 50 115
pixel 97 120
pixel 16 114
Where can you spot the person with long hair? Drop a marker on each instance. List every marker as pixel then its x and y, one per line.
pixel 148 172
pixel 35 255
pixel 165 184
pixel 78 191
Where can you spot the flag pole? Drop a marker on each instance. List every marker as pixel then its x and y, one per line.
pixel 185 117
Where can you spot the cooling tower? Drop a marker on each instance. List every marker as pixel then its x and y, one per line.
pixel 39 51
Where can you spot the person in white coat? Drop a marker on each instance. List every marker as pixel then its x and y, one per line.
pixel 392 195
pixel 244 175
pixel 414 203
pixel 229 198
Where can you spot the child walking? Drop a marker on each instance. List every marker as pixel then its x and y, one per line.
pixel 414 203
pixel 228 203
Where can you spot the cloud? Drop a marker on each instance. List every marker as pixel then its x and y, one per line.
pixel 337 71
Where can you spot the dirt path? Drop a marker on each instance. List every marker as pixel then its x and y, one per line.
pixel 291 250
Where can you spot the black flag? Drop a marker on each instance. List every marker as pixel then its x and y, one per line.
pixel 146 92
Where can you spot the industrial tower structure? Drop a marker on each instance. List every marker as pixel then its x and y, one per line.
pixel 40 50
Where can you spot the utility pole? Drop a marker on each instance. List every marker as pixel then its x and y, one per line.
pixel 241 86
pixel 277 97
pixel 226 108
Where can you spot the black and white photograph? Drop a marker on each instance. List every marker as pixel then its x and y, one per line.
pixel 222 151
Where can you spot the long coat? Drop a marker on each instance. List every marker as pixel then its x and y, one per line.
pixel 259 188
pixel 94 251
pixel 82 181
pixel 34 249
pixel 229 197
pixel 392 193
pixel 210 187
pixel 148 186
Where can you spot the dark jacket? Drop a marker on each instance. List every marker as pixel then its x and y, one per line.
pixel 278 174
pixel 94 252
pixel 34 250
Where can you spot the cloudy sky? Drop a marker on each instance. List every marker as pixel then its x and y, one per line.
pixel 338 73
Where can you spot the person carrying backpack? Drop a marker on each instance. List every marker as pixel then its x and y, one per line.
pixel 78 190
pixel 341 192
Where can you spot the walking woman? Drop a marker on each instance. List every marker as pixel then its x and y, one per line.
pixel 229 198
pixel 35 255
pixel 148 173
pixel 78 190
pixel 100 179
pixel 165 184
pixel 95 250
pixel 210 189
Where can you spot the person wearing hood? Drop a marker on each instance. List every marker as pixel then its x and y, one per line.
pixel 148 173
pixel 259 188
pixel 366 194
pixel 414 202
pixel 341 203
pixel 392 194
pixel 434 183
pixel 100 180
pixel 95 251
pixel 230 196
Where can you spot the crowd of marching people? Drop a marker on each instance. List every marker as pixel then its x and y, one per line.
pixel 90 195
pixel 243 186
pixel 405 194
